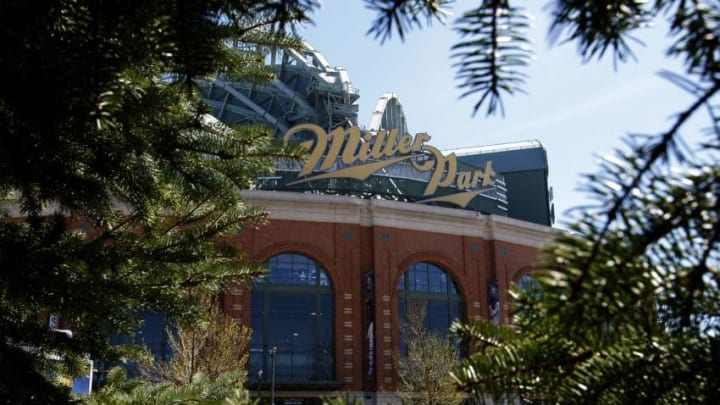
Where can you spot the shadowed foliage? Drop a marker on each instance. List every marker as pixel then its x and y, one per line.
pixel 125 186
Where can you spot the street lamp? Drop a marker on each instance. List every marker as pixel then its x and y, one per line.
pixel 292 354
pixel 273 354
pixel 260 376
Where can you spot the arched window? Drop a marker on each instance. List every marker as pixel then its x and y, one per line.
pixel 528 285
pixel 528 282
pixel 292 311
pixel 427 286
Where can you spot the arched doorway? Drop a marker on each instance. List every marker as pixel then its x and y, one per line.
pixel 292 321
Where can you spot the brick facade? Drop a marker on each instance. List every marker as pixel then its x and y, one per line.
pixel 350 237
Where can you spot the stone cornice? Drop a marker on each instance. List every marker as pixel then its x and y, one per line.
pixel 293 206
pixel 395 214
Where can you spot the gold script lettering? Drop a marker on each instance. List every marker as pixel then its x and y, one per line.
pixel 420 139
pixel 405 144
pixel 464 181
pixel 350 152
pixel 488 174
pixel 351 146
pixel 441 162
pixel 321 140
pixel 377 148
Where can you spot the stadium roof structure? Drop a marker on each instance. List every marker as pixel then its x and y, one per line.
pixel 307 89
pixel 524 166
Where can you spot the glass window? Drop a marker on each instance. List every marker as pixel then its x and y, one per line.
pixel 151 334
pixel 292 311
pixel 429 288
pixel 530 287
pixel 528 282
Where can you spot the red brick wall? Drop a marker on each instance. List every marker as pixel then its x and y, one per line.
pixel 348 251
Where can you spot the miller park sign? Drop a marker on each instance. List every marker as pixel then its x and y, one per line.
pixel 362 155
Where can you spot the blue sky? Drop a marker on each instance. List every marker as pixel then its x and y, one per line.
pixel 577 111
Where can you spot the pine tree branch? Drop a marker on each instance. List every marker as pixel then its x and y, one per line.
pixel 657 152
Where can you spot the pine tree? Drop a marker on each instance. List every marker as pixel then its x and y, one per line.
pixel 628 304
pixel 117 189
pixel 226 389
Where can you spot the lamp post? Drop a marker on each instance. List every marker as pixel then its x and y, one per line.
pixel 273 354
pixel 292 354
pixel 260 376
